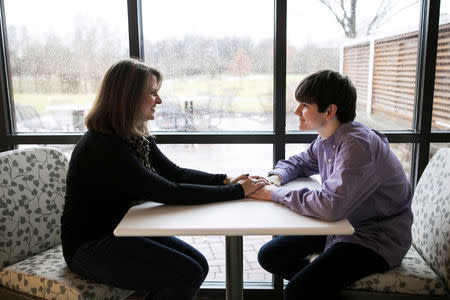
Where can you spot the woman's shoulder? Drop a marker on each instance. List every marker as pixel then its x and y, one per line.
pixel 96 142
pixel 95 137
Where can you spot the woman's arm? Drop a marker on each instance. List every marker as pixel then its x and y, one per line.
pixel 117 165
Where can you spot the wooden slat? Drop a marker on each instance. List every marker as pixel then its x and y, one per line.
pixel 356 66
pixel 394 77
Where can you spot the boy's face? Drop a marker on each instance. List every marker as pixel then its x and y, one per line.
pixel 310 117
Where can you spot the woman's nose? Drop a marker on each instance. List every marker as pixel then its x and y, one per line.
pixel 298 111
pixel 158 100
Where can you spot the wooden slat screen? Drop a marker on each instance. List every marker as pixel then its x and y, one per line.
pixel 394 76
pixel 441 101
pixel 356 66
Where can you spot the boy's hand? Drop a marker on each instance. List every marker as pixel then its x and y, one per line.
pixel 264 193
pixel 275 180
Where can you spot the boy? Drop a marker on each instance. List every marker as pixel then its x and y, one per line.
pixel 362 181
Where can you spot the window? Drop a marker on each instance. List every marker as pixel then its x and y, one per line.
pixel 379 57
pixel 217 60
pixel 224 66
pixel 232 160
pixel 441 112
pixel 56 70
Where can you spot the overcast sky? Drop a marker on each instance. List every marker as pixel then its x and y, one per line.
pixel 309 21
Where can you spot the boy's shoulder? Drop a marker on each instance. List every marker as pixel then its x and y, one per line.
pixel 348 132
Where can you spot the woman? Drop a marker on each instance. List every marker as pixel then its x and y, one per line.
pixel 116 165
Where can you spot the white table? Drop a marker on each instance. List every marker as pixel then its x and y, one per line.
pixel 232 219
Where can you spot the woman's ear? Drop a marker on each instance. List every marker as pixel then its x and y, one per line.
pixel 331 111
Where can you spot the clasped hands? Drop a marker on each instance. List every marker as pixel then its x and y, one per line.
pixel 257 187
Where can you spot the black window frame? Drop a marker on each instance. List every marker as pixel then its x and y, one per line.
pixel 420 136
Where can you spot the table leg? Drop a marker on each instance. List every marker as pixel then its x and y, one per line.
pixel 234 276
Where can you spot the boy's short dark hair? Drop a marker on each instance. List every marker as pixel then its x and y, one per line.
pixel 328 87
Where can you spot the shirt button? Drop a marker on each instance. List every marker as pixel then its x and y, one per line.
pixel 329 160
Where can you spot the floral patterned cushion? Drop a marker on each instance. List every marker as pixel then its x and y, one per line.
pixel 412 276
pixel 32 188
pixel 47 276
pixel 431 207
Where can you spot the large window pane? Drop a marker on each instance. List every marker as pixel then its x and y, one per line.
pixel 380 57
pixel 217 60
pixel 441 101
pixel 232 160
pixel 59 51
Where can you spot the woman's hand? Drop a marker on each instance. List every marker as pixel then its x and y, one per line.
pixel 264 193
pixel 251 185
pixel 233 180
pixel 264 179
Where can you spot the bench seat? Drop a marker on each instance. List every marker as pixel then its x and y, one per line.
pixel 47 276
pixel 412 276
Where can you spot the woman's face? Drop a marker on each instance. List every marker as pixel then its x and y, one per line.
pixel 151 99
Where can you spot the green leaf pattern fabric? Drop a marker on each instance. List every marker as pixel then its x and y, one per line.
pixel 431 207
pixel 412 276
pixel 47 276
pixel 32 189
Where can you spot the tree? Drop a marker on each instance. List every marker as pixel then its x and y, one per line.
pixel 239 65
pixel 345 12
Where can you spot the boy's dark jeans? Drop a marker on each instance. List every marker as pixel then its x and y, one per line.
pixel 336 268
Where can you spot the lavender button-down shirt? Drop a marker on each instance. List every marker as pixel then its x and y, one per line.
pixel 362 180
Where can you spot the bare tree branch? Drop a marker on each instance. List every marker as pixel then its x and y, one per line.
pixel 346 15
pixel 386 16
pixel 343 17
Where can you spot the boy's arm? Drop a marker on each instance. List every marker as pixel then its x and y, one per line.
pixel 352 181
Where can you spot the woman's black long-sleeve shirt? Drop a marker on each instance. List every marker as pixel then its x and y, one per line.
pixel 105 176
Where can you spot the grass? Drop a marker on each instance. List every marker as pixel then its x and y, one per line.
pixel 248 94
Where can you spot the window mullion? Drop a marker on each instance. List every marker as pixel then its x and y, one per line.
pixel 426 68
pixel 135 33
pixel 279 103
pixel 7 115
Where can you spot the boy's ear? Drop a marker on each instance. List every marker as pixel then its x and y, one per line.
pixel 332 110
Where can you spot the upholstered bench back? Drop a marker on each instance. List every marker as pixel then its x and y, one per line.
pixel 32 189
pixel 431 207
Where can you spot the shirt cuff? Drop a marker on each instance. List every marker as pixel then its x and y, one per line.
pixel 280 172
pixel 290 198
pixel 279 194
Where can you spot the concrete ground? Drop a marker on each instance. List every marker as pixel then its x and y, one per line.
pixel 213 248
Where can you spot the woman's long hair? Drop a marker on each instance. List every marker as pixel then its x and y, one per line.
pixel 117 107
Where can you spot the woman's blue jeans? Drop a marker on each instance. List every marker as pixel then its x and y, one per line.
pixel 165 267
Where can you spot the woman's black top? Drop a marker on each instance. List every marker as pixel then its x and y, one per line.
pixel 105 177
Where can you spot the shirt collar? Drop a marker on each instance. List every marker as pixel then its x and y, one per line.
pixel 336 137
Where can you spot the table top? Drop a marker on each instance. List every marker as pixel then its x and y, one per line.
pixel 231 218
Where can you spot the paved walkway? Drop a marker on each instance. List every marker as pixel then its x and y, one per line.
pixel 213 248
